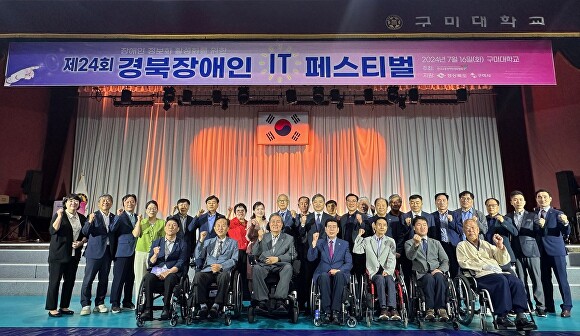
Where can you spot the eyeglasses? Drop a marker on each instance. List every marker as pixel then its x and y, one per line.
pixel 466 198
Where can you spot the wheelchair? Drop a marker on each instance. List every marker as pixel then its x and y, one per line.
pixel 232 307
pixel 178 306
pixel 348 310
pixel 370 301
pixel 468 292
pixel 417 310
pixel 291 301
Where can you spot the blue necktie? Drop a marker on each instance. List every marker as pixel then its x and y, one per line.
pixel 425 247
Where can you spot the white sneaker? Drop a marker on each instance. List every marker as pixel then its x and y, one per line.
pixel 101 309
pixel 86 310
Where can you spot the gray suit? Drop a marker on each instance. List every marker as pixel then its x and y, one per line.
pixel 481 221
pixel 285 251
pixel 434 286
pixel 376 263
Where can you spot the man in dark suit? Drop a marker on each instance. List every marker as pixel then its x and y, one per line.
pixel 123 250
pixel 167 262
pixel 309 225
pixel 526 250
pixel 274 252
pixel 429 263
pixel 395 223
pixel 216 257
pixel 503 226
pixel 407 231
pixel 98 255
pixel 204 221
pixel 184 219
pixel 333 271
pixel 448 230
pixel 350 224
pixel 554 225
pixel 381 207
pixel 288 216
pixel 467 211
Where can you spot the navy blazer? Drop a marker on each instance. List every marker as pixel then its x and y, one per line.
pixel 97 234
pixel 392 229
pixel 553 232
pixel 202 224
pixel 310 228
pixel 408 231
pixel 60 247
pixel 507 230
pixel 396 226
pixel 176 258
pixel 481 222
pixel 356 226
pixel 454 228
pixel 123 245
pixel 526 244
pixel 341 258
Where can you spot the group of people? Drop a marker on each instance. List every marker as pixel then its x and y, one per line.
pixel 368 240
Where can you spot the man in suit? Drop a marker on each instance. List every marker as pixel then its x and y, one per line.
pixel 504 226
pixel 288 216
pixel 554 225
pixel 407 232
pixel 381 208
pixel 216 258
pixel 184 219
pixel 204 221
pixel 484 260
pixel 429 263
pixel 526 249
pixel 123 250
pixel 167 259
pixel 467 211
pixel 309 225
pixel 333 271
pixel 395 223
pixel 350 224
pixel 98 255
pixel 380 265
pixel 274 252
pixel 331 209
pixel 448 230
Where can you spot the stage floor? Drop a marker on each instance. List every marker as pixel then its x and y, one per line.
pixel 25 315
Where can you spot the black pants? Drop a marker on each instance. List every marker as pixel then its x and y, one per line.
pixel 153 284
pixel 451 252
pixel 205 279
pixel 57 271
pixel 123 278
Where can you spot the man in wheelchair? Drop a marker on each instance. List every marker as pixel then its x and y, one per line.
pixel 484 260
pixel 429 264
pixel 167 258
pixel 333 271
pixel 274 252
pixel 380 265
pixel 215 258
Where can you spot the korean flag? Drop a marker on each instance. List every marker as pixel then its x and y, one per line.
pixel 283 128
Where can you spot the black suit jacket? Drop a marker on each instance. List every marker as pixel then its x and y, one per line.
pixel 60 248
pixel 184 233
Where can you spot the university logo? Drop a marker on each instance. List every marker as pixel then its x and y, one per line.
pixel 283 128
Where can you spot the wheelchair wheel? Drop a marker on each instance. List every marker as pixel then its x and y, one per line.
pixel 351 322
pixel 184 299
pixel 227 319
pixel 173 321
pixel 140 307
pixel 465 300
pixel 294 317
pixel 140 323
pixel 317 322
pixel 251 314
pixel 403 301
pixel 238 293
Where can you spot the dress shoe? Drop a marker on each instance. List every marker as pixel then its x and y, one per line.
pixel 503 322
pixel 326 318
pixel 115 310
pixel 443 317
pixel 203 312
pixel 540 312
pixel 262 306
pixel 101 309
pixel 165 314
pixel 86 310
pixel 129 306
pixel 66 312
pixel 214 311
pixel 565 313
pixel 524 324
pixel 384 315
pixel 394 315
pixel 280 307
pixel 147 315
pixel 430 315
pixel 54 315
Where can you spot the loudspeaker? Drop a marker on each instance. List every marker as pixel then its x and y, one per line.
pixel 32 183
pixel 567 189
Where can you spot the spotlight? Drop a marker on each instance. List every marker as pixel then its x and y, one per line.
pixel 413 95
pixel 369 96
pixel 243 94
pixel 126 97
pixel 334 96
pixel 291 97
pixel 225 104
pixel 216 97
pixel 461 95
pixel 168 94
pixel 318 95
pixel 340 104
pixel 186 98
pixel 402 104
pixel 393 94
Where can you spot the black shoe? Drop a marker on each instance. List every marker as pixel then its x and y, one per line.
pixel 165 314
pixel 565 313
pixel 54 315
pixel 129 306
pixel 280 307
pixel 214 311
pixel 115 309
pixel 551 310
pixel 524 324
pixel 66 312
pixel 337 315
pixel 202 312
pixel 504 323
pixel 326 318
pixel 261 306
pixel 147 315
pixel 540 312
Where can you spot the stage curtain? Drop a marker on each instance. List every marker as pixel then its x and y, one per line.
pixel 372 151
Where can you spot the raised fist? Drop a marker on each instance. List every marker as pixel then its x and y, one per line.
pixel 260 234
pixel 139 218
pixel 359 218
pixel 91 217
pixel 449 218
pixel 200 212
pixel 156 251
pixel 416 239
pixel 408 221
pixel 293 213
pixel 120 211
pixel 361 232
pixel 202 235
pixel 59 212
